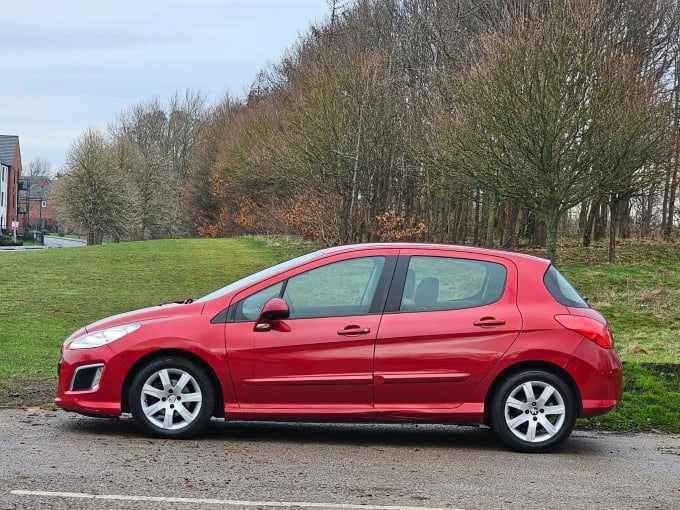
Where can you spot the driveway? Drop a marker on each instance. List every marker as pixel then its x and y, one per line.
pixel 53 459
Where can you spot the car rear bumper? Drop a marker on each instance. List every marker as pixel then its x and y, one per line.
pixel 599 375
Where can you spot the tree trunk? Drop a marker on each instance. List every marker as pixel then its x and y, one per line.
pixel 552 220
pixel 477 218
pixel 590 222
pixel 623 218
pixel 583 217
pixel 614 206
pixel 673 189
pixel 646 221
pixel 492 220
pixel 600 228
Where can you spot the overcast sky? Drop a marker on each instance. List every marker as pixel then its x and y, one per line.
pixel 70 65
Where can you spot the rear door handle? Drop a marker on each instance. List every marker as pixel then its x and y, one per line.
pixel 354 331
pixel 489 322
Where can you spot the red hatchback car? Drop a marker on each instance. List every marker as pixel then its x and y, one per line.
pixel 363 333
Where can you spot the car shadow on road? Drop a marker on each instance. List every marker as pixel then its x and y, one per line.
pixel 394 435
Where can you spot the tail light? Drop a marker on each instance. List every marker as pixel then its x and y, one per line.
pixel 590 328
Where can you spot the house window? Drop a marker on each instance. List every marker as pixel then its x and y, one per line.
pixel 43 204
pixel 2 199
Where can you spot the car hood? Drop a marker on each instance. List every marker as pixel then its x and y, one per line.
pixel 146 314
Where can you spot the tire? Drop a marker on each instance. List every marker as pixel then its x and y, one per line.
pixel 171 398
pixel 533 411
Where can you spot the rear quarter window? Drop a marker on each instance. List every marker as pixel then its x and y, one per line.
pixel 563 291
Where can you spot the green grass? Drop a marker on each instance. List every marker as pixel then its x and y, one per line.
pixel 48 294
pixel 650 401
pixel 640 296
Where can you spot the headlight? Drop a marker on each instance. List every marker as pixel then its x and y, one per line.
pixel 103 337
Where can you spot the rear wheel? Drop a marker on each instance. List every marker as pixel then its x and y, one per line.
pixel 171 397
pixel 533 411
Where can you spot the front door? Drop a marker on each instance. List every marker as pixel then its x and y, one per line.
pixel 321 357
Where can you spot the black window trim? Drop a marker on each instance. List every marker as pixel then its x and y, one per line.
pixel 396 291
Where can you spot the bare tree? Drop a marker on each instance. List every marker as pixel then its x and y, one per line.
pixel 165 138
pixel 37 167
pixel 201 207
pixel 91 196
pixel 536 104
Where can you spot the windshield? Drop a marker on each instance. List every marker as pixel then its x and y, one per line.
pixel 260 275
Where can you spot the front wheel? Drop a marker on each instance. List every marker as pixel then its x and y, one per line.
pixel 172 398
pixel 533 411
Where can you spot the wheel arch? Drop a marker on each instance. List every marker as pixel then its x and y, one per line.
pixel 218 405
pixel 523 367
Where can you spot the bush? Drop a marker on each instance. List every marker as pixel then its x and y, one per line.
pixel 7 241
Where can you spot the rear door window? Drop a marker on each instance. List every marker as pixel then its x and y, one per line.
pixel 448 283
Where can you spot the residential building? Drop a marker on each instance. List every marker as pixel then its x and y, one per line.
pixel 10 172
pixel 34 198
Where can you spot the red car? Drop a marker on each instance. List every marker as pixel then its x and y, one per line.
pixel 363 333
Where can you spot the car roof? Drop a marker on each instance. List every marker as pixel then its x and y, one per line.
pixel 434 246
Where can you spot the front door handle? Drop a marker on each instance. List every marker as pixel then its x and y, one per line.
pixel 489 322
pixel 354 331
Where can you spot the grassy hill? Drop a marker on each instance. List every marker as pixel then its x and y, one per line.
pixel 48 294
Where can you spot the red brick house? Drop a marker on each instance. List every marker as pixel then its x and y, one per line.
pixel 10 172
pixel 35 200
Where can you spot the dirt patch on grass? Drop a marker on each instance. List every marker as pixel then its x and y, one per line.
pixel 15 393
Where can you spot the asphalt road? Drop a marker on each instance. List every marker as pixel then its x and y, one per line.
pixel 49 242
pixel 62 242
pixel 53 459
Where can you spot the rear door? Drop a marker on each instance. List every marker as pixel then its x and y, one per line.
pixel 449 319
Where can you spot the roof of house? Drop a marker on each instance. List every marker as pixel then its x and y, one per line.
pixel 8 145
pixel 38 185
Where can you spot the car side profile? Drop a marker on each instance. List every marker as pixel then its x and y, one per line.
pixel 388 332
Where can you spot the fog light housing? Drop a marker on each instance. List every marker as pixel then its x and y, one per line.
pixel 87 377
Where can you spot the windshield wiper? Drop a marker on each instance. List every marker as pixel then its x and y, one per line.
pixel 184 302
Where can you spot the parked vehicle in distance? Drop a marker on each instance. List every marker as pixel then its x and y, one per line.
pixel 393 332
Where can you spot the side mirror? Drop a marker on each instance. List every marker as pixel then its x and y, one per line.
pixel 275 309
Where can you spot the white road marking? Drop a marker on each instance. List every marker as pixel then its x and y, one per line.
pixel 223 502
